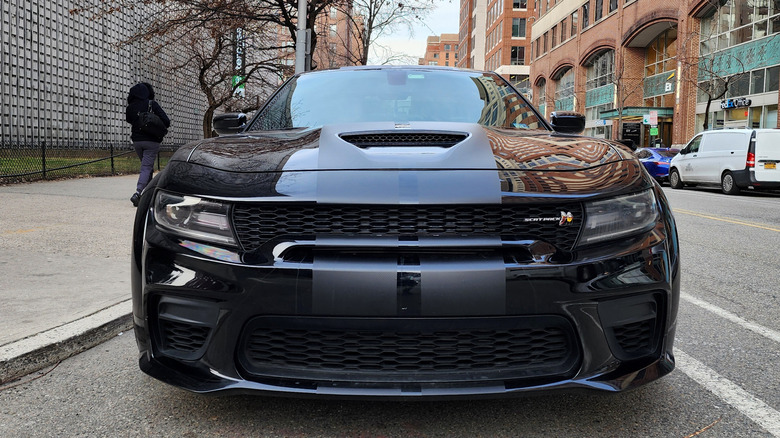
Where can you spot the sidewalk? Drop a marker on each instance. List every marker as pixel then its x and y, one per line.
pixel 64 269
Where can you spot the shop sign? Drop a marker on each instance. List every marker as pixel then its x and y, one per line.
pixel 738 102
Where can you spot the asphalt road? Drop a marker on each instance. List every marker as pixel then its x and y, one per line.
pixel 726 384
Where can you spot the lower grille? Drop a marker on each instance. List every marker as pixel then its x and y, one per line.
pixel 408 350
pixel 182 340
pixel 636 339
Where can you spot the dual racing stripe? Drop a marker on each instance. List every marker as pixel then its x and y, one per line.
pixel 413 285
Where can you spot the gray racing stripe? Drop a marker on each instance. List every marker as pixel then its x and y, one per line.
pixel 392 175
pixel 350 285
pixel 451 287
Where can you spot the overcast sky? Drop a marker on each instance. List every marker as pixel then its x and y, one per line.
pixel 444 19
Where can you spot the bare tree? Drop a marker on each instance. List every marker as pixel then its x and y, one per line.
pixel 626 87
pixel 372 19
pixel 223 45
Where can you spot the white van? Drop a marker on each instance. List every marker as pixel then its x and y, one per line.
pixel 735 159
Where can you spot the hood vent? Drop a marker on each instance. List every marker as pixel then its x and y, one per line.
pixel 404 139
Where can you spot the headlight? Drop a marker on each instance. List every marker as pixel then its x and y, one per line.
pixel 617 217
pixel 193 217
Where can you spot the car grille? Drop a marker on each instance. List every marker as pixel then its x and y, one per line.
pixel 408 350
pixel 182 340
pixel 405 139
pixel 256 224
pixel 636 339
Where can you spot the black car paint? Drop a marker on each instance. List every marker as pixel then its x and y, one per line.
pixel 526 277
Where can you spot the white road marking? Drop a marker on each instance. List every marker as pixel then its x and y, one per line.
pixel 746 403
pixel 725 314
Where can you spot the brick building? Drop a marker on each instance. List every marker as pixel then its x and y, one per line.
pixel 495 35
pixel 441 50
pixel 617 61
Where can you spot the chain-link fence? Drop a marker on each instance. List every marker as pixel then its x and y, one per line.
pixel 30 162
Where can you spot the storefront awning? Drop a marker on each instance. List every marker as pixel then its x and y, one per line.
pixel 637 112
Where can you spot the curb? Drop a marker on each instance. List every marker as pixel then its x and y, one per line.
pixel 36 352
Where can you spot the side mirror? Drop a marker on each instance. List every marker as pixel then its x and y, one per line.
pixel 567 122
pixel 230 123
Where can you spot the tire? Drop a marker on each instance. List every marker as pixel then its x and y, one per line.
pixel 728 185
pixel 674 179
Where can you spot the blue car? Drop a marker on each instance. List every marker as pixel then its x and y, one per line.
pixel 656 161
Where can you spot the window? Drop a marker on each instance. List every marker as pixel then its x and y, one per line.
pixel 518 55
pixel 613 5
pixel 564 91
pixel 600 70
pixel 772 78
pixel 447 47
pixel 757 82
pixel 520 4
pixel 736 22
pixel 541 89
pixel 554 32
pixel 598 11
pixel 544 43
pixel 661 54
pixel 518 28
pixel 333 12
pixel 563 31
pixel 585 11
pixel 435 56
pixel 334 30
pixel 573 23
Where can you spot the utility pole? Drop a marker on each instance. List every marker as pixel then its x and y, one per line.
pixel 300 39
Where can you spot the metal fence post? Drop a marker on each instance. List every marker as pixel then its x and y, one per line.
pixel 113 172
pixel 43 157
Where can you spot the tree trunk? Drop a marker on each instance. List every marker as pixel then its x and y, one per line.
pixel 208 118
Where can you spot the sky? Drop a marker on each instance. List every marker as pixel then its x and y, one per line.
pixel 443 19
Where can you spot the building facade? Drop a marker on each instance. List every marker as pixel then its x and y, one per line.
pixel 495 35
pixel 64 80
pixel 441 50
pixel 658 72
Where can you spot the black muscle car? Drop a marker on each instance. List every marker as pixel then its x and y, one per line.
pixel 404 232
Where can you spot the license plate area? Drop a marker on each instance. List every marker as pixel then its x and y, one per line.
pixel 770 165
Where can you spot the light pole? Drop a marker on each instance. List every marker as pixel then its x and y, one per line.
pixel 300 39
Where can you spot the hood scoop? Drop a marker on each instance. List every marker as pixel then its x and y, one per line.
pixel 404 139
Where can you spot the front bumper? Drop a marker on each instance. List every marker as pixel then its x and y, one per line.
pixel 305 327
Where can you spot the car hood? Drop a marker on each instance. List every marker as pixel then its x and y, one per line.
pixel 361 162
pixel 390 146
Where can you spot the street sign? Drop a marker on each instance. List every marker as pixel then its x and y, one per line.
pixel 241 90
pixel 653 131
pixel 653 117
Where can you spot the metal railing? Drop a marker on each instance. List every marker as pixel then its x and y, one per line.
pixel 20 162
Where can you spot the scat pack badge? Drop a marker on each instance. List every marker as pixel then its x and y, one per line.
pixel 565 219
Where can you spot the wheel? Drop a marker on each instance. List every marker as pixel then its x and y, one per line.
pixel 727 184
pixel 674 179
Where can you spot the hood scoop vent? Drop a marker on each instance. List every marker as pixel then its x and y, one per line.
pixel 404 139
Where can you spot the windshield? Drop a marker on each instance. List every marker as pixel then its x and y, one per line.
pixel 396 95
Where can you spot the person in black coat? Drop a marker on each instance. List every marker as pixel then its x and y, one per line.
pixel 146 146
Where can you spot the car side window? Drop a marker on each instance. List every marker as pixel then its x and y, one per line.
pixel 643 154
pixel 693 146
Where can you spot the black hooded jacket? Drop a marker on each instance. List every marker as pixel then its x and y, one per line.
pixel 137 102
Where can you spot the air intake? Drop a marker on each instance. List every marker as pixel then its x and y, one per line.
pixel 405 139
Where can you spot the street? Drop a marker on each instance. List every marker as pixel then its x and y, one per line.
pixel 726 382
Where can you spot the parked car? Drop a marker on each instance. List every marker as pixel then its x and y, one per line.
pixel 656 161
pixel 734 159
pixel 404 232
